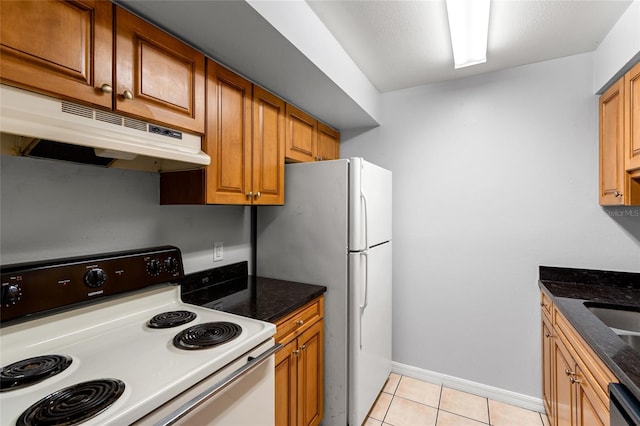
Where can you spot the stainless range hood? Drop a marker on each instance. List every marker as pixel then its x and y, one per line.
pixel 40 126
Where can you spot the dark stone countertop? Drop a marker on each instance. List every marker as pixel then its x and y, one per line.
pixel 570 289
pixel 260 298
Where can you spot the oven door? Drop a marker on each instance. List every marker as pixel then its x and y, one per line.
pixel 624 407
pixel 242 393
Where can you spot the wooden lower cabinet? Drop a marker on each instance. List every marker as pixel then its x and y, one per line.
pixel 574 380
pixel 548 372
pixel 299 369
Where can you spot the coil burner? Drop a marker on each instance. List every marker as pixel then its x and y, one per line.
pixel 171 319
pixel 31 371
pixel 74 404
pixel 206 335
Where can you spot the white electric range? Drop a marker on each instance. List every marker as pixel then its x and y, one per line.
pixel 106 340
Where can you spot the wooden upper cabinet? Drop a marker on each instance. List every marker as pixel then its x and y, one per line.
pixel 301 135
pixel 307 139
pixel 611 145
pixel 632 118
pixel 228 136
pixel 268 147
pixel 157 76
pixel 328 143
pixel 63 48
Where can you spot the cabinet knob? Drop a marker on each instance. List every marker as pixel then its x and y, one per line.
pixel 249 194
pixel 106 88
pixel 127 95
pixel 257 195
pixel 547 334
pixel 299 323
pixel 573 380
pixel 303 347
pixel 569 372
pixel 296 352
pixel 617 194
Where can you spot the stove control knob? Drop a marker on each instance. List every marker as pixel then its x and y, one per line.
pixel 171 264
pixel 11 294
pixel 95 277
pixel 154 267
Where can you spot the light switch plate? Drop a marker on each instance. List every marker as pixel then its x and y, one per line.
pixel 217 251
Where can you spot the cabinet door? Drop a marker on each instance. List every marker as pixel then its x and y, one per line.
pixel 328 143
pixel 286 384
pixel 228 136
pixel 547 367
pixel 310 375
pixel 590 410
pixel 164 76
pixel 301 135
pixel 564 409
pixel 632 118
pixel 611 145
pixel 268 148
pixel 58 47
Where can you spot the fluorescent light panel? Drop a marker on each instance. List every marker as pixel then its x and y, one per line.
pixel 469 27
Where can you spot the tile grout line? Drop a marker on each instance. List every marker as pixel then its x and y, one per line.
pixel 488 411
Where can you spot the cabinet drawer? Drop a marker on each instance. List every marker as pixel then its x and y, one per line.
pixel 546 305
pixel 300 320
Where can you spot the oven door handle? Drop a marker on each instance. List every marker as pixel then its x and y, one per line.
pixel 195 402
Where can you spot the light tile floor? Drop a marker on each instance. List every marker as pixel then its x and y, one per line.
pixel 405 401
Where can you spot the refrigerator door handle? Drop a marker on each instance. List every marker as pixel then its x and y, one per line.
pixel 363 306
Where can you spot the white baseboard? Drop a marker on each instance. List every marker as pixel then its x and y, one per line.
pixel 486 391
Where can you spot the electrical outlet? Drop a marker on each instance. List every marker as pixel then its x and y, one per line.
pixel 217 251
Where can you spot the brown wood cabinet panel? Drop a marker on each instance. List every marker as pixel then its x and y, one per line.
pixel 63 48
pixel 310 375
pixel 632 118
pixel 328 143
pixel 591 411
pixel 228 136
pixel 611 145
pixel 286 379
pixel 268 147
pixel 564 406
pixel 164 76
pixel 547 367
pixel 301 135
pixel 300 366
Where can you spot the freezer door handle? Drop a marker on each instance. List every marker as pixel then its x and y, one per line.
pixel 366 221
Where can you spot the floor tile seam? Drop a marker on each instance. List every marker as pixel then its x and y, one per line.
pixel 417 402
pixel 462 415
pixel 439 401
pixel 388 408
pixel 488 411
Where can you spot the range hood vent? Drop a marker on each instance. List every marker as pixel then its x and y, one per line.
pixel 44 127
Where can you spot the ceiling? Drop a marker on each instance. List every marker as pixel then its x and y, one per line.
pixel 401 44
pixel 391 44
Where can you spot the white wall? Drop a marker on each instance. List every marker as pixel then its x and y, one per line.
pixel 493 176
pixel 54 209
pixel 619 49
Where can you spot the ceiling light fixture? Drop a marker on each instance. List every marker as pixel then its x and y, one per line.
pixel 469 28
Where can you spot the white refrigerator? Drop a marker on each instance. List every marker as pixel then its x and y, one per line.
pixel 335 230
